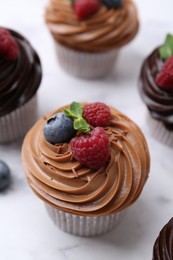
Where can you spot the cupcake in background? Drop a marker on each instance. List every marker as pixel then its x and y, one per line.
pixel 20 77
pixel 88 163
pixel 156 90
pixel 88 34
pixel 163 247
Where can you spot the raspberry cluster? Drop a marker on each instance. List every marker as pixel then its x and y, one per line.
pixel 9 49
pixel 89 147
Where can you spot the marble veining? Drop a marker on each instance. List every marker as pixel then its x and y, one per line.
pixel 26 232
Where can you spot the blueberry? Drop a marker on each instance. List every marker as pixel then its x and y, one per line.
pixel 112 3
pixel 4 175
pixel 59 129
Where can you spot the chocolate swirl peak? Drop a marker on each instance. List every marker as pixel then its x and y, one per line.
pixel 58 179
pixel 107 29
pixel 158 101
pixel 19 79
pixel 163 247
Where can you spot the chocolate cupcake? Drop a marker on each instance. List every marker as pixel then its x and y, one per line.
pixel 20 78
pixel 88 41
pixel 163 247
pixel 156 90
pixel 86 174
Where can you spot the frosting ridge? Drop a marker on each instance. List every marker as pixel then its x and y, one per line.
pixel 163 247
pixel 19 79
pixel 107 29
pixel 158 101
pixel 61 181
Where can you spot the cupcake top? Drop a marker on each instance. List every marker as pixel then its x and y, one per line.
pixel 108 28
pixel 99 172
pixel 156 83
pixel 163 247
pixel 20 70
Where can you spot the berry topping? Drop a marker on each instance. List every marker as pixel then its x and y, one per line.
pixel 59 129
pixel 85 8
pixel 165 77
pixel 112 3
pixel 91 149
pixel 97 114
pixel 4 175
pixel 8 46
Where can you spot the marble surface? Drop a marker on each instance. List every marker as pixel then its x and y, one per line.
pixel 26 232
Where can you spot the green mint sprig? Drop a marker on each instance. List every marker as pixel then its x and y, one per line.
pixel 167 48
pixel 79 122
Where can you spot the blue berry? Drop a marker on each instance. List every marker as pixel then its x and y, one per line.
pixel 59 129
pixel 4 175
pixel 112 3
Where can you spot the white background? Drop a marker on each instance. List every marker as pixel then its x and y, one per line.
pixel 26 232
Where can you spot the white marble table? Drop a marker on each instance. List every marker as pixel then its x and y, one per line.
pixel 26 232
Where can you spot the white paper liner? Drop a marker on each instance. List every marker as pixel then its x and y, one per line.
pixel 84 64
pixel 15 124
pixel 86 226
pixel 159 132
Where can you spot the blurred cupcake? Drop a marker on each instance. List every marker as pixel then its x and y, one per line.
pixel 87 174
pixel 156 89
pixel 163 247
pixel 20 78
pixel 89 33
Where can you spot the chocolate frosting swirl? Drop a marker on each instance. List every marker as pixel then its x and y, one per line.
pixel 158 101
pixel 106 30
pixel 163 247
pixel 19 79
pixel 58 179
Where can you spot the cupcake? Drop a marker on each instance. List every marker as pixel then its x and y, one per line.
pixel 156 90
pixel 88 163
pixel 20 78
pixel 88 34
pixel 163 247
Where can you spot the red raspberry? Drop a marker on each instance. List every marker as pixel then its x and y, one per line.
pixel 85 8
pixel 91 149
pixel 97 114
pixel 165 78
pixel 8 47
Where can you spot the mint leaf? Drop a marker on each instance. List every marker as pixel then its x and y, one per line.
pixel 167 49
pixel 169 41
pixel 165 52
pixel 76 108
pixel 81 125
pixel 79 122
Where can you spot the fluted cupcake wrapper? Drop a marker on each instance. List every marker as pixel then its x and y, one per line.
pixel 85 64
pixel 159 132
pixel 15 124
pixel 86 226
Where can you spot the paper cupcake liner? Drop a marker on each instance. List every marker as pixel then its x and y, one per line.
pixel 159 132
pixel 85 64
pixel 15 124
pixel 86 226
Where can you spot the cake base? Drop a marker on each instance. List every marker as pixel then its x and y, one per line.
pixel 159 132
pixel 85 226
pixel 16 124
pixel 84 64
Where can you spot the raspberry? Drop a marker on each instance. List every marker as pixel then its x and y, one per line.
pixel 91 149
pixel 97 114
pixel 165 78
pixel 8 47
pixel 86 8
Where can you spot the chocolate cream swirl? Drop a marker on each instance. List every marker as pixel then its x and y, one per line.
pixel 163 247
pixel 58 179
pixel 19 79
pixel 107 29
pixel 158 101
